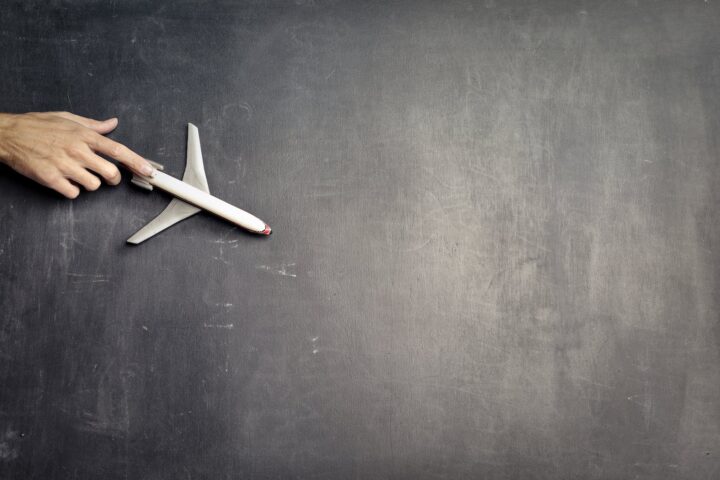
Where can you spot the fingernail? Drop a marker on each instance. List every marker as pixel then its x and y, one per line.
pixel 146 170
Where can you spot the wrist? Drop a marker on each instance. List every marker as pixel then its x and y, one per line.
pixel 6 121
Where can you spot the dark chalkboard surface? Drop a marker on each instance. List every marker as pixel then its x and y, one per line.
pixel 496 248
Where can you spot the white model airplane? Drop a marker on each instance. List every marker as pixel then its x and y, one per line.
pixel 192 194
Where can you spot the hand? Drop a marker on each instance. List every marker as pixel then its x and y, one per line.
pixel 59 150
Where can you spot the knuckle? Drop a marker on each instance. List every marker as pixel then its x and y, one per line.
pixel 50 177
pixel 66 164
pixel 86 136
pixel 75 149
pixel 116 150
pixel 57 117
pixel 56 180
pixel 35 118
pixel 92 140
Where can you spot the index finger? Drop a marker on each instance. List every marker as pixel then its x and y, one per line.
pixel 122 154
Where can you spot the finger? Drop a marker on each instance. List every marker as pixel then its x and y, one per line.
pixel 102 167
pixel 122 154
pixel 64 187
pixel 82 177
pixel 52 178
pixel 105 126
pixel 99 126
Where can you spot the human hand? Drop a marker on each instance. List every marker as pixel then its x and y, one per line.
pixel 60 150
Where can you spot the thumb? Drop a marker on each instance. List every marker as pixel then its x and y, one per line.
pixel 104 126
pixel 99 126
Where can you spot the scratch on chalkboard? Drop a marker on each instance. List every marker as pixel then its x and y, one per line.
pixel 229 110
pixel 282 269
pixel 70 105
pixel 228 326
pixel 421 246
pixel 88 278
pixel 591 382
pixel 224 242
pixel 645 402
pixel 221 260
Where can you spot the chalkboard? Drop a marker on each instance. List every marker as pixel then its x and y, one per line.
pixel 496 247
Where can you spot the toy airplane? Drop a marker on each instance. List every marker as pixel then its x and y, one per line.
pixel 192 194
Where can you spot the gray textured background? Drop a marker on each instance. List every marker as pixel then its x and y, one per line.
pixel 496 250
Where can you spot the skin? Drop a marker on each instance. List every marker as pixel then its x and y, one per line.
pixel 61 151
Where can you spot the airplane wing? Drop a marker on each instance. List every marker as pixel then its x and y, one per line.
pixel 177 210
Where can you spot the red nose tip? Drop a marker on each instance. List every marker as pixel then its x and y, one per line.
pixel 267 230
